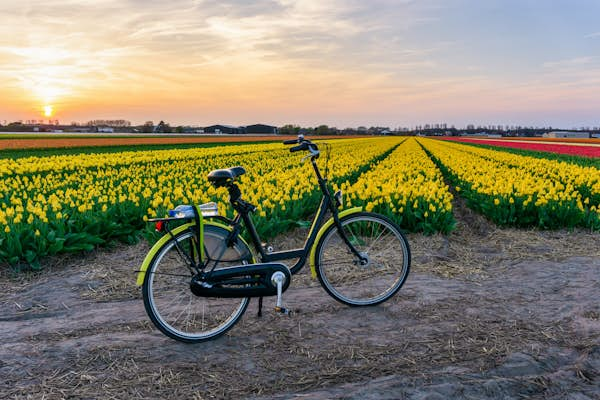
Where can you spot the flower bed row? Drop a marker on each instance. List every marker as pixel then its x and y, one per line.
pixel 571 149
pixel 585 179
pixel 511 191
pixel 408 187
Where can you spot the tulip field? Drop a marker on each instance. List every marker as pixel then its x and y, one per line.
pixel 520 190
pixel 580 149
pixel 73 203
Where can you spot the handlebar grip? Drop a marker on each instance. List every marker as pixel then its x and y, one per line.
pixel 293 141
pixel 301 146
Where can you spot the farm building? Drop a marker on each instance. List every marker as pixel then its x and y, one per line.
pixel 261 128
pixel 229 129
pixel 567 134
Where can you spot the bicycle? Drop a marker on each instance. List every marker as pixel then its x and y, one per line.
pixel 197 280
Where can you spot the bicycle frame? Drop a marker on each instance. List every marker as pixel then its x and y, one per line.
pixel 327 203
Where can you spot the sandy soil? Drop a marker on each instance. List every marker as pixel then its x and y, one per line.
pixel 485 314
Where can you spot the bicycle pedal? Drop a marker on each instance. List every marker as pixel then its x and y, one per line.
pixel 283 310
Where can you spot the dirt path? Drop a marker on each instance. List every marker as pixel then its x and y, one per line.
pixel 486 313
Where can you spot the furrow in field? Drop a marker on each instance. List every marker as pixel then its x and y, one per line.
pixel 407 187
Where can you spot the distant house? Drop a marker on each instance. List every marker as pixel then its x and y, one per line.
pixel 261 129
pixel 191 129
pixel 567 134
pixel 105 129
pixel 228 129
pixel 81 129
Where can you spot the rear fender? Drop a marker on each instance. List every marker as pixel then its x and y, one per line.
pixel 142 271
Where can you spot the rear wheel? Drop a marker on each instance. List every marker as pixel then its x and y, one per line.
pixel 168 299
pixel 380 276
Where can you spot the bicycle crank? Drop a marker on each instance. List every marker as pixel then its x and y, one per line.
pixel 253 280
pixel 279 279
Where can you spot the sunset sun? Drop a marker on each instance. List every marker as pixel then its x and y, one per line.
pixel 48 110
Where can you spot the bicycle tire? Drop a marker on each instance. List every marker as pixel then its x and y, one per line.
pixel 388 253
pixel 169 301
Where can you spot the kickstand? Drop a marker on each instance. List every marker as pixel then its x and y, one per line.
pixel 260 299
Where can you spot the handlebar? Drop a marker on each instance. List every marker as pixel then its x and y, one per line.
pixel 303 144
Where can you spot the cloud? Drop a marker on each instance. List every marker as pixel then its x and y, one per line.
pixel 592 35
pixel 204 60
pixel 570 63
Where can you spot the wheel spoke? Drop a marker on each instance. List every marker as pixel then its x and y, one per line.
pixel 168 299
pixel 386 253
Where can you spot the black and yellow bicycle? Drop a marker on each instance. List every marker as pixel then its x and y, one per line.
pixel 197 280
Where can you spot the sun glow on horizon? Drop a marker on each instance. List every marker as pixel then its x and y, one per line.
pixel 48 110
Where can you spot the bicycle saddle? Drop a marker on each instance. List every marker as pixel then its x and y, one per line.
pixel 220 177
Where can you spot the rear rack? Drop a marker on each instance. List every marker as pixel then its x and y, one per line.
pixel 168 219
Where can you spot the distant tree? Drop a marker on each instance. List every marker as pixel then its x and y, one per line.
pixel 289 129
pixel 160 127
pixel 179 129
pixel 148 127
pixel 322 130
pixel 115 123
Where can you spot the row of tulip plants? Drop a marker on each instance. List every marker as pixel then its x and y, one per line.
pixel 518 190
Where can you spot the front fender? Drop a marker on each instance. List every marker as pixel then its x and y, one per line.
pixel 326 225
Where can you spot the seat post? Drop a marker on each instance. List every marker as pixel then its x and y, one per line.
pixel 234 192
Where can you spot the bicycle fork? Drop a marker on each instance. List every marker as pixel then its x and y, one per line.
pixel 362 258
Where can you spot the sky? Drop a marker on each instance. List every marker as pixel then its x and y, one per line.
pixel 309 62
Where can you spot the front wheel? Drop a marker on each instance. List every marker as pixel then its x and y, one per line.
pixel 381 273
pixel 168 299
